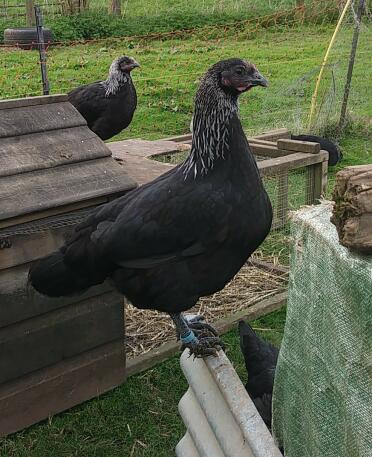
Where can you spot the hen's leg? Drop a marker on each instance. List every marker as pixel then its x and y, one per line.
pixel 199 337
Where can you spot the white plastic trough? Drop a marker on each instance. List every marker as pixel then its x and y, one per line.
pixel 220 417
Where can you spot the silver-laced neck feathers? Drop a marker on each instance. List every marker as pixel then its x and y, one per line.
pixel 214 109
pixel 116 78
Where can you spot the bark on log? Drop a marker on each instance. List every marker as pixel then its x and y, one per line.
pixel 352 213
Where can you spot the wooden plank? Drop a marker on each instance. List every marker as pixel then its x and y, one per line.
pixel 273 135
pixel 53 187
pixel 41 150
pixel 52 337
pixel 143 170
pixel 32 101
pixel 144 148
pixel 299 146
pixel 268 151
pixel 272 167
pixel 19 302
pixel 320 176
pixel 49 391
pixel 54 211
pixel 39 118
pixel 167 350
pixel 252 139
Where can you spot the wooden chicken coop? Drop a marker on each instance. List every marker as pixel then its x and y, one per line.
pixel 54 353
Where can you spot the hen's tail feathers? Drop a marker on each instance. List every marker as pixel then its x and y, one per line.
pixel 52 277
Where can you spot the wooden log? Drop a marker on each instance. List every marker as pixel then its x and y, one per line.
pixel 51 390
pixel 43 189
pixel 30 152
pixel 352 213
pixel 52 337
pixel 299 146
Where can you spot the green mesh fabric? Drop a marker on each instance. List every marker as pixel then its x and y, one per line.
pixel 322 402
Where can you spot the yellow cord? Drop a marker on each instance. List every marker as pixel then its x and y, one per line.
pixel 315 94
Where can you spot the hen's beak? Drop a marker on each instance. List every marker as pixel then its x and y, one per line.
pixel 258 80
pixel 134 64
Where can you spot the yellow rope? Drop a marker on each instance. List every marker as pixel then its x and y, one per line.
pixel 315 94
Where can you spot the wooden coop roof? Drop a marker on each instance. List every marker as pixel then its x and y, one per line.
pixel 50 159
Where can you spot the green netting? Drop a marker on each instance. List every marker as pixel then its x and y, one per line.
pixel 322 403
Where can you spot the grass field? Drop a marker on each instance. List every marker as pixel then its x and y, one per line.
pixel 140 418
pixel 141 17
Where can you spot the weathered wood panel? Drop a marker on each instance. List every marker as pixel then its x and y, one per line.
pixel 19 302
pixel 49 338
pixel 143 170
pixel 56 388
pixel 143 148
pixel 32 101
pixel 31 152
pixel 53 187
pixel 39 118
pixel 25 248
pixel 29 218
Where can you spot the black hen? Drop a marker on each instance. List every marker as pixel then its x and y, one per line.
pixel 260 361
pixel 185 234
pixel 108 106
pixel 335 154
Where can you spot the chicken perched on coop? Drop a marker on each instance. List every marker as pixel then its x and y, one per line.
pixel 335 154
pixel 185 234
pixel 108 106
pixel 260 361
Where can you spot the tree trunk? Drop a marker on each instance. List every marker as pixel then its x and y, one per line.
pixel 115 7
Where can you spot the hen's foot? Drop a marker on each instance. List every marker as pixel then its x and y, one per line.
pixel 206 340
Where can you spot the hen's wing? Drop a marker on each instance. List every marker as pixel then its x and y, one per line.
pixel 161 222
pixel 89 100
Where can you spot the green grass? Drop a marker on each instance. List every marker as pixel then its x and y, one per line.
pixel 171 69
pixel 141 17
pixel 143 409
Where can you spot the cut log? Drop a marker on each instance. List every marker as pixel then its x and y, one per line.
pixel 352 213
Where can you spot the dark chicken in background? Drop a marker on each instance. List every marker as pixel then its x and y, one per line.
pixel 260 359
pixel 108 106
pixel 185 234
